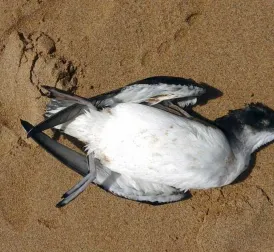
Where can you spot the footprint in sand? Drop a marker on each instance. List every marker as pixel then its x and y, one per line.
pixel 28 61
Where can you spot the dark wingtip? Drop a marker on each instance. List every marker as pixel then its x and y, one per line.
pixel 60 204
pixel 26 125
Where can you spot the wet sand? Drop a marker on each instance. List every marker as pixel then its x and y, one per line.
pixel 90 47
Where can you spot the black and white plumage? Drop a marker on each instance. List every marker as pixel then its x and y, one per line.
pixel 142 145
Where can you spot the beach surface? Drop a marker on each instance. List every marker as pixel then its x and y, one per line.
pixel 89 47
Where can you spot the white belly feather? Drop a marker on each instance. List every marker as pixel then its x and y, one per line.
pixel 145 143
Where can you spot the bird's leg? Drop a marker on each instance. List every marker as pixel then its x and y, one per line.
pixel 81 185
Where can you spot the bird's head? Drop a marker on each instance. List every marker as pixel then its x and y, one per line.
pixel 258 116
pixel 253 125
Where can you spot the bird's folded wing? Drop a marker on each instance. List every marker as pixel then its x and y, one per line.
pixel 72 159
pixel 170 93
pixel 152 91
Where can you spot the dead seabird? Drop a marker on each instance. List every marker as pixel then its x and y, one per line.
pixel 142 145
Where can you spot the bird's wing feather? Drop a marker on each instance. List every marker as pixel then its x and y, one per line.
pixel 152 91
pixel 72 159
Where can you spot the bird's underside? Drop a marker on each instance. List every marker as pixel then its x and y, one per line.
pixel 165 93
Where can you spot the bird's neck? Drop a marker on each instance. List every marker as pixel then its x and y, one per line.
pixel 243 139
pixel 252 140
pixel 243 144
pixel 247 140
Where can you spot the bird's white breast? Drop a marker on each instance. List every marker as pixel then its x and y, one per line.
pixel 146 143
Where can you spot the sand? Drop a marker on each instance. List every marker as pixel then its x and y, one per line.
pixel 90 47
